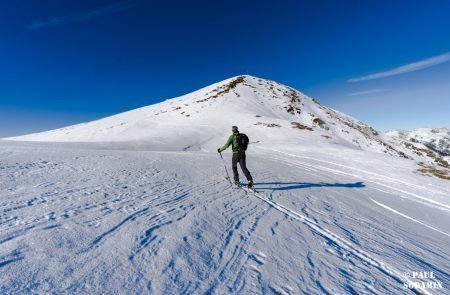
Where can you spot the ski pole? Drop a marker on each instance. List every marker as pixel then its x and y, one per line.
pixel 226 170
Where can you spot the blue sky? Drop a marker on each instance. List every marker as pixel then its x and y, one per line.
pixel 386 63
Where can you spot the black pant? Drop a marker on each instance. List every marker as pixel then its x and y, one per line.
pixel 240 158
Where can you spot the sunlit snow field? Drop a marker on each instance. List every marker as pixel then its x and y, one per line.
pixel 89 218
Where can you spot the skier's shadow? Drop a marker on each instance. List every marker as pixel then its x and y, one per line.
pixel 281 186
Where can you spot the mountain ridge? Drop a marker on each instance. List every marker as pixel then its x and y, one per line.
pixel 269 112
pixel 248 100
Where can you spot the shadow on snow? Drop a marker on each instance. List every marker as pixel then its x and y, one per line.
pixel 280 186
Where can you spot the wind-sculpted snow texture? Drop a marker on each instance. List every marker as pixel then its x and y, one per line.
pixel 88 219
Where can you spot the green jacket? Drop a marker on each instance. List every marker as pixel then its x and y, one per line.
pixel 233 141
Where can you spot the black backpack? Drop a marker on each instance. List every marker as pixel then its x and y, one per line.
pixel 242 142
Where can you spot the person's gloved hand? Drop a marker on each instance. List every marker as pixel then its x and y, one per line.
pixel 218 150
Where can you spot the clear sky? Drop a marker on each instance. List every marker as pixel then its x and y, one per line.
pixel 386 63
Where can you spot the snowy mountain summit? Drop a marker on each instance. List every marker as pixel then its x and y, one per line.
pixel 266 110
pixel 269 112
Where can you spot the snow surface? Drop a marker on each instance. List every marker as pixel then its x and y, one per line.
pixel 86 219
pixel 136 203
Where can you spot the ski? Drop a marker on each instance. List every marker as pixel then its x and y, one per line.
pixel 233 186
pixel 249 190
pixel 256 193
pixel 236 186
pixel 246 189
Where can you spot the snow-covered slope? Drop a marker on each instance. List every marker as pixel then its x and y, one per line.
pixel 333 221
pixel 265 110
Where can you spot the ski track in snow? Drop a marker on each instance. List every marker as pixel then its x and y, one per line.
pixel 339 241
pixel 374 178
pixel 84 221
pixel 408 217
pixel 391 190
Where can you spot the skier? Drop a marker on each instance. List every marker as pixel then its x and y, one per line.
pixel 239 142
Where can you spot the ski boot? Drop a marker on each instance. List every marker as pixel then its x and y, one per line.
pixel 235 184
